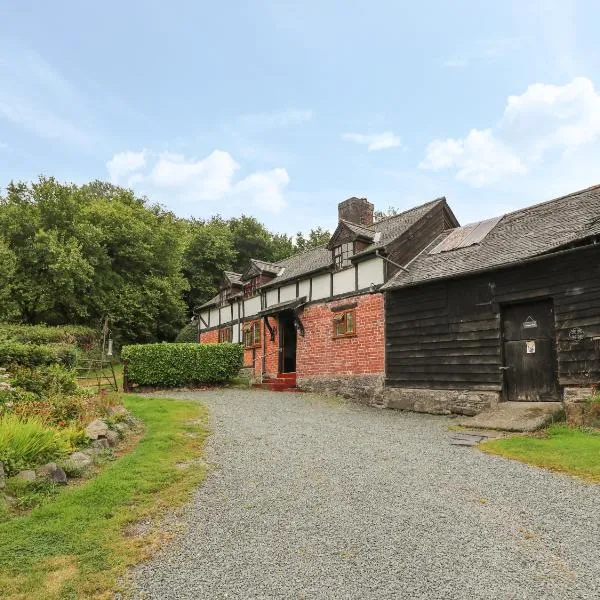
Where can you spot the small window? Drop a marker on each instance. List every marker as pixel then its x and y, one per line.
pixel 342 254
pixel 251 288
pixel 225 334
pixel 344 324
pixel 223 296
pixel 252 335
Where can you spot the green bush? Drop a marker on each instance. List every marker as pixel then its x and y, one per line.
pixel 43 334
pixel 28 442
pixel 189 333
pixel 33 355
pixel 45 381
pixel 181 364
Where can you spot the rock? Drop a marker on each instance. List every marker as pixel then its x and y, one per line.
pixel 117 411
pixel 53 472
pixel 96 429
pixel 26 475
pixel 122 428
pixel 2 476
pixel 79 460
pixel 101 443
pixel 112 437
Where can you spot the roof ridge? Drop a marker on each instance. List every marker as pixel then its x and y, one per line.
pixel 408 210
pixel 534 206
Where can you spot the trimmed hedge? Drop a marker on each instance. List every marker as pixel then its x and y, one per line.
pixel 181 364
pixel 33 355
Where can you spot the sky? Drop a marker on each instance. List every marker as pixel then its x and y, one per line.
pixel 283 109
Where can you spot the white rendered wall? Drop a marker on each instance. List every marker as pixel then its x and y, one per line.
pixel 214 317
pixel 304 287
pixel 288 292
pixel 272 297
pixel 251 306
pixel 343 281
pixel 321 286
pixel 370 271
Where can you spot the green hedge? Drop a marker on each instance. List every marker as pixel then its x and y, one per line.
pixel 45 334
pixel 181 364
pixel 33 355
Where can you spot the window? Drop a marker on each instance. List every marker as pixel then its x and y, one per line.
pixel 223 295
pixel 344 324
pixel 252 334
pixel 251 287
pixel 342 254
pixel 225 334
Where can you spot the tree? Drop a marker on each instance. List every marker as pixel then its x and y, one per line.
pixel 316 237
pixel 390 211
pixel 81 252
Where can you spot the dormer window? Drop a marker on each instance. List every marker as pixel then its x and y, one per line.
pixel 251 287
pixel 342 254
pixel 223 295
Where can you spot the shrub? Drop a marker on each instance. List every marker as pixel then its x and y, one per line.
pixel 32 355
pixel 180 364
pixel 45 381
pixel 43 334
pixel 28 442
pixel 189 333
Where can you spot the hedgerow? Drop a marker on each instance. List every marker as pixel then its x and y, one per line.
pixel 45 334
pixel 33 355
pixel 181 364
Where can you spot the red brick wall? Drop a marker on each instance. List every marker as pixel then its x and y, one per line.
pixel 320 354
pixel 209 337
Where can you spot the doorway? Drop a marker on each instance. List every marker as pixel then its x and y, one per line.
pixel 287 342
pixel 529 345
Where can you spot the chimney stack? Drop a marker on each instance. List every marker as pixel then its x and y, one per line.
pixel 356 210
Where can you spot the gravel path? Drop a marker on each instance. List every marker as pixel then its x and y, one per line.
pixel 313 498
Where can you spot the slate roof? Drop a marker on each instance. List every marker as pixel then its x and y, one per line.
pixel 212 302
pixel 234 278
pixel 266 267
pixel 518 236
pixel 320 258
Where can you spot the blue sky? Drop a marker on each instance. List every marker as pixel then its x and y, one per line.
pixel 283 109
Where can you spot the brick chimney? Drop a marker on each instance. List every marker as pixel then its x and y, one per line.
pixel 356 210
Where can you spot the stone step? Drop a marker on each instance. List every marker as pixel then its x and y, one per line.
pixel 516 416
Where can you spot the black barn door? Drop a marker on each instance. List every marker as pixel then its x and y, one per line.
pixel 287 342
pixel 529 352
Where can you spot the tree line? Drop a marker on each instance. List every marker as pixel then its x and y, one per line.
pixel 70 254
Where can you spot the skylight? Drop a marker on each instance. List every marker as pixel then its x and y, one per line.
pixel 466 236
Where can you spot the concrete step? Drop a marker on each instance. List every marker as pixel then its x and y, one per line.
pixel 516 416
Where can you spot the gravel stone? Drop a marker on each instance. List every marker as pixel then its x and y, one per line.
pixel 315 498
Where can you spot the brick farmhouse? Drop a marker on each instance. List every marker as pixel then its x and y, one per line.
pixel 416 312
pixel 317 318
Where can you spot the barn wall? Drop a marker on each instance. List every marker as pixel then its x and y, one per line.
pixel 447 336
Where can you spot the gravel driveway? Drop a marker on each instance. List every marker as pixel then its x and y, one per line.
pixel 312 498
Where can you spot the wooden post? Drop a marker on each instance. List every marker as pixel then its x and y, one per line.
pixel 125 378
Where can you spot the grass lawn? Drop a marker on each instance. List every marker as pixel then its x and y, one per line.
pixel 75 546
pixel 559 448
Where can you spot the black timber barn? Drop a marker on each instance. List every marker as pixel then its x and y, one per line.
pixel 504 309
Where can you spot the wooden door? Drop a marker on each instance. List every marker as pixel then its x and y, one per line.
pixel 287 343
pixel 530 352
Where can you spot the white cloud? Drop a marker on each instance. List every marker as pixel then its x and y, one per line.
pixel 549 117
pixel 375 141
pixel 265 189
pixel 271 120
pixel 122 166
pixel 206 179
pixel 210 179
pixel 479 158
pixel 544 119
